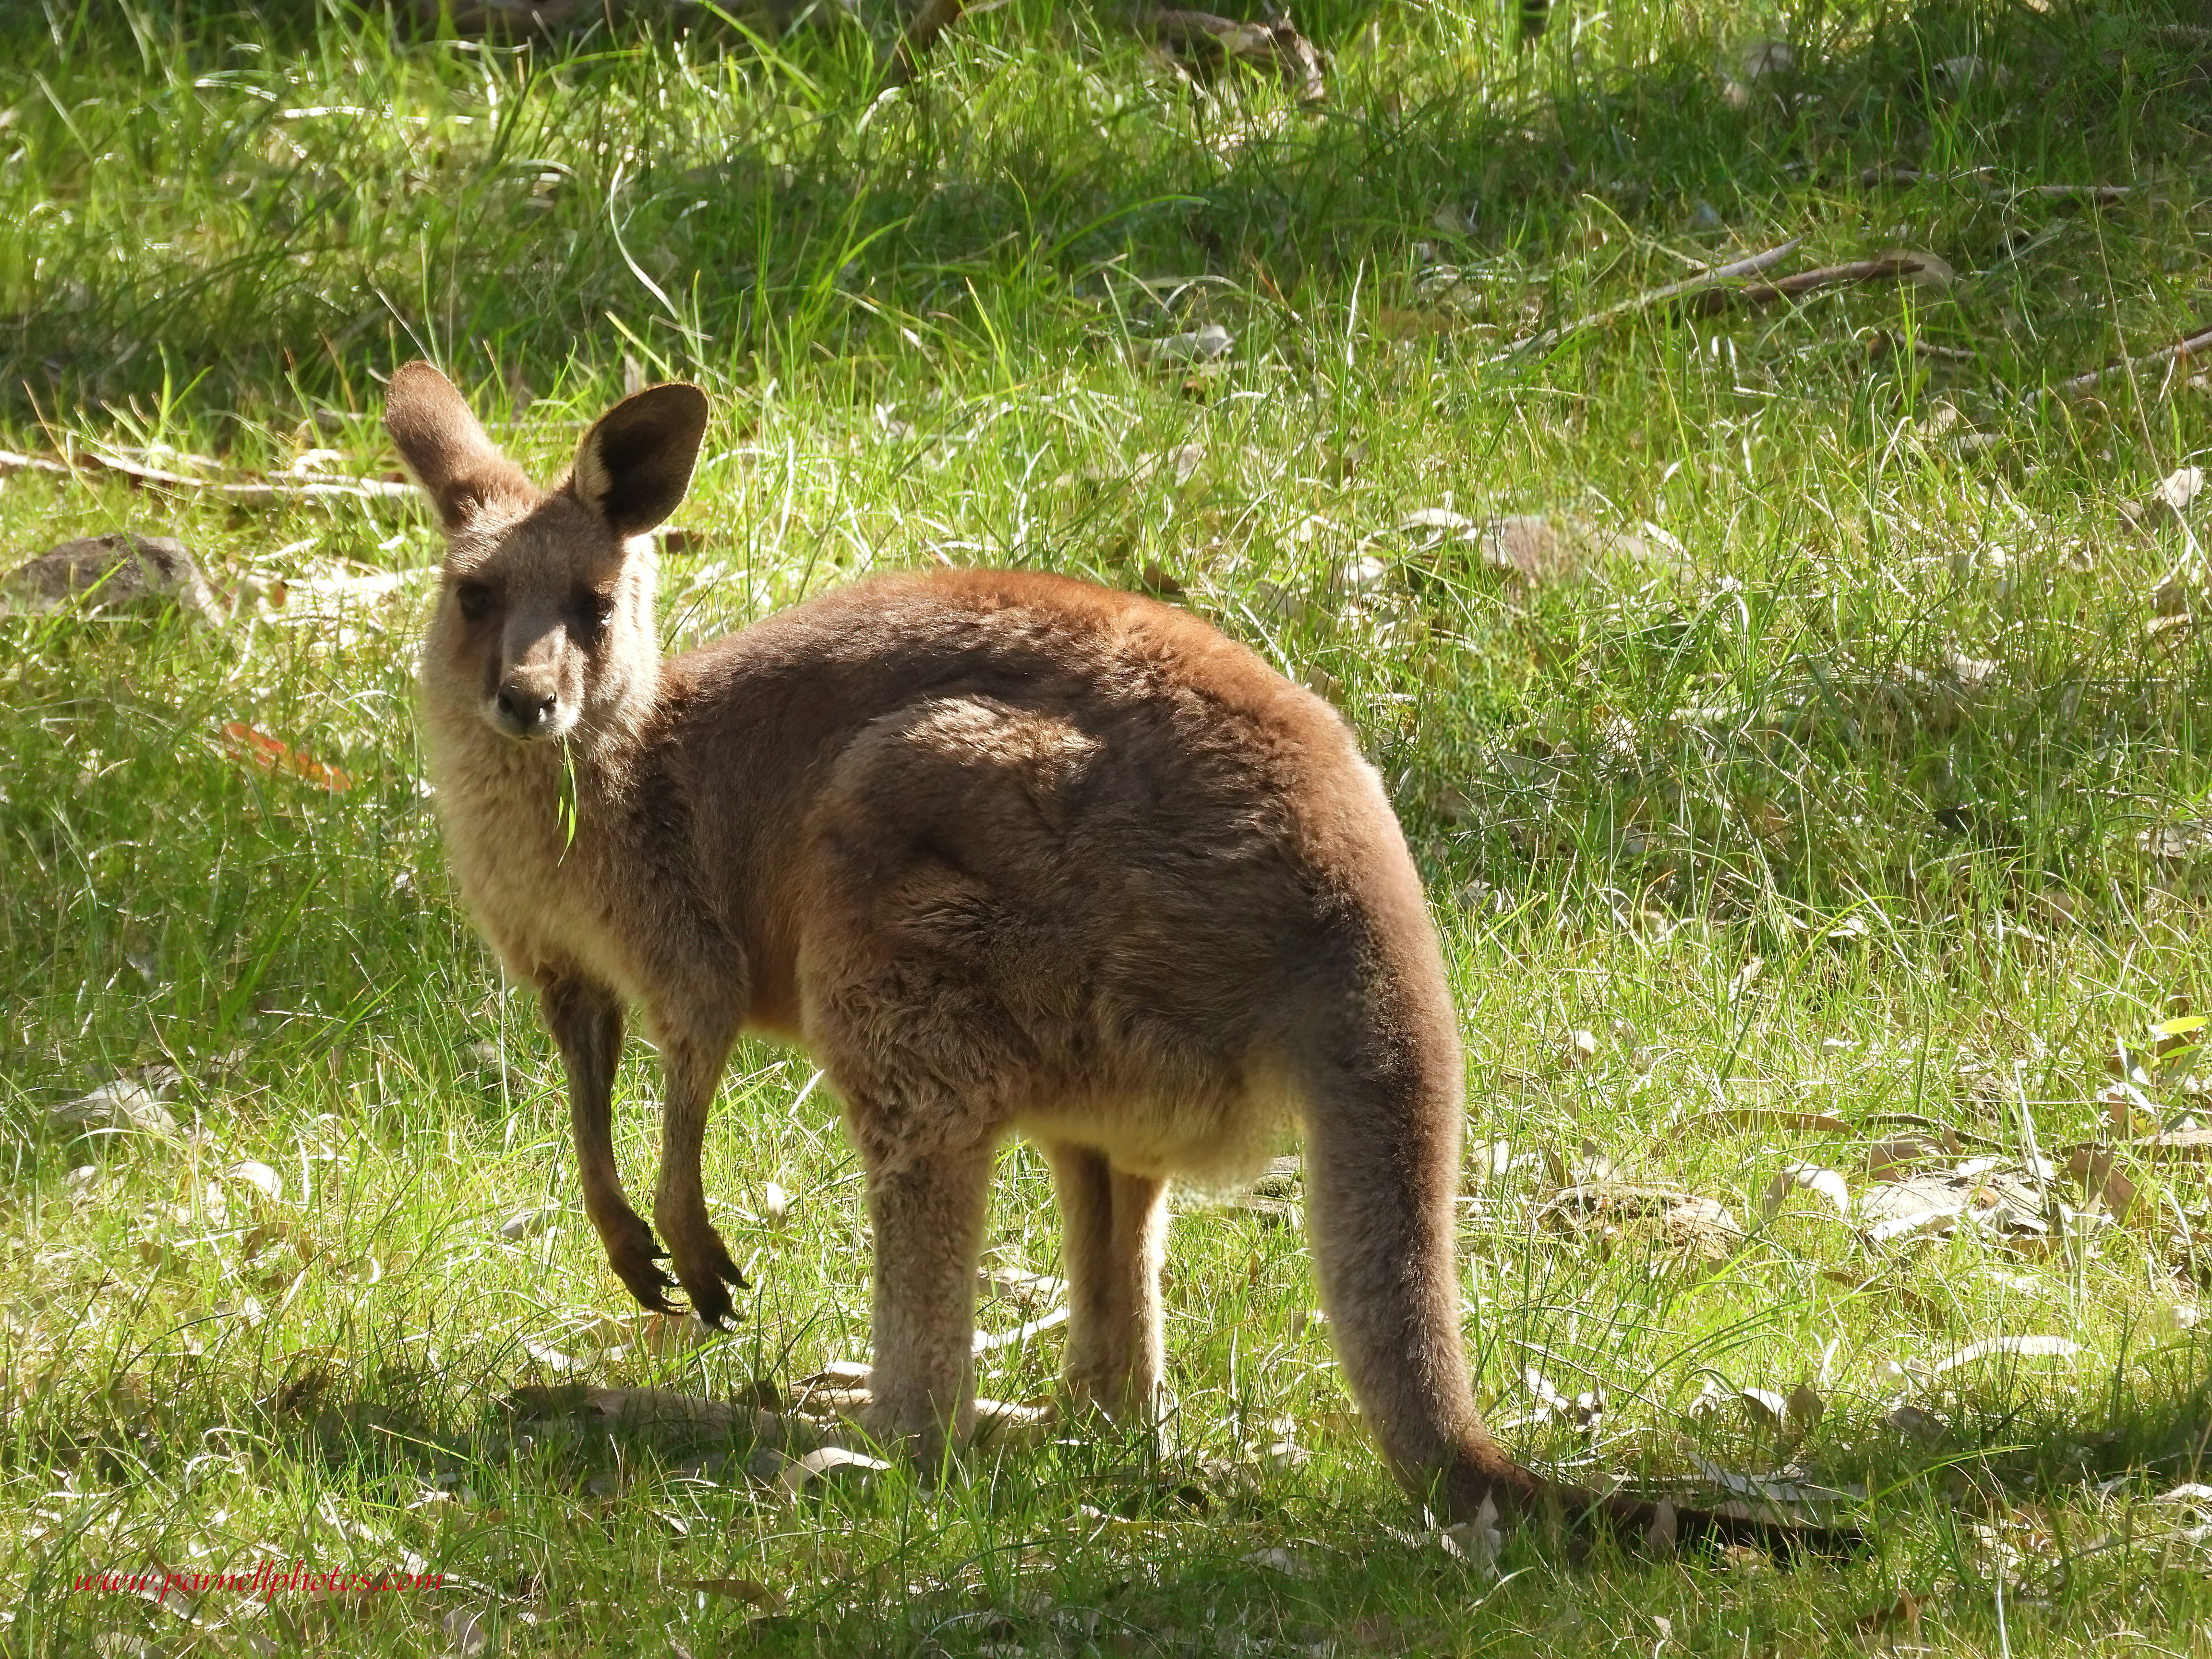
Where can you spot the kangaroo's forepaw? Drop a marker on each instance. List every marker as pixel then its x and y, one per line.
pixel 713 1306
pixel 708 1276
pixel 726 1269
pixel 632 1252
pixel 649 1285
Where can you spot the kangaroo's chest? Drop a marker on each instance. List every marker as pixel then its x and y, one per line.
pixel 535 876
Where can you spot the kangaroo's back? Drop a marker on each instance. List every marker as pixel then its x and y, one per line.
pixel 1142 807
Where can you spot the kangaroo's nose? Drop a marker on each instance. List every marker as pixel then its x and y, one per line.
pixel 525 710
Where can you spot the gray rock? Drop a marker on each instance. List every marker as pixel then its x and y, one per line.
pixel 116 572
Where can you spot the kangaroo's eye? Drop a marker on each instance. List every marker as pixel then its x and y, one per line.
pixel 475 599
pixel 593 612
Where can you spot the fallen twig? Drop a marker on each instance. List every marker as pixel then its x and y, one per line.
pixel 990 1341
pixel 1889 265
pixel 1699 283
pixel 1709 292
pixel 262 494
pixel 2084 192
pixel 2183 1145
pixel 1881 343
pixel 1870 178
pixel 2200 341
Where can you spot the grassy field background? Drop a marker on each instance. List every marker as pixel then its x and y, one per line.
pixel 1837 785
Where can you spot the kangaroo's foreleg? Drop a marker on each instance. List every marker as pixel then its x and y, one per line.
pixel 693 1063
pixel 1116 1232
pixel 586 1023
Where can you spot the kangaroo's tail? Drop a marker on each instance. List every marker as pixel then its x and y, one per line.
pixel 1383 1103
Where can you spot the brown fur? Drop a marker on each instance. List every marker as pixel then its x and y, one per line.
pixel 1005 852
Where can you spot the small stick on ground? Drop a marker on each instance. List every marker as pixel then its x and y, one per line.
pixel 2199 342
pixel 262 494
pixel 1708 293
pixel 1699 283
pixel 1887 267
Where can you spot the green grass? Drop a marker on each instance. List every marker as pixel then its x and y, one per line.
pixel 1849 799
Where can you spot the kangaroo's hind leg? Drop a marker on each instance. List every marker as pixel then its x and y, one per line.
pixel 586 1023
pixel 1115 1233
pixel 927 1213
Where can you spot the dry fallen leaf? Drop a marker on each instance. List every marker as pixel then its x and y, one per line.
pixel 1014 1423
pixel 1476 1542
pixel 1760 60
pixel 749 1590
pixel 1764 1406
pixel 2169 499
pixel 259 1176
pixel 1548 1399
pixel 1827 1183
pixel 126 1102
pixel 1806 1408
pixel 1900 1619
pixel 1923 1425
pixel 989 1342
pixel 827 1463
pixel 2029 1347
pixel 1027 1290
pixel 528 1223
pixel 1199 345
pixel 267 754
pixel 1439 521
pixel 1202 45
pixel 1964 70
pixel 1926 268
pixel 2092 1166
pixel 549 1357
pixel 775 1205
pixel 1276 1559
pixel 468 1632
pixel 1996 1201
pixel 1709 1399
pixel 1779 1490
pixel 837 1373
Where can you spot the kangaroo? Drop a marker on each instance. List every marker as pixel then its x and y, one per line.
pixel 1005 852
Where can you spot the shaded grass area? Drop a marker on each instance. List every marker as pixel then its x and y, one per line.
pixel 1852 778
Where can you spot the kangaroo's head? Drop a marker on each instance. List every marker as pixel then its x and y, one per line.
pixel 544 624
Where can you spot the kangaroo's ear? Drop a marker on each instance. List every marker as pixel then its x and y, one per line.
pixel 458 467
pixel 635 464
